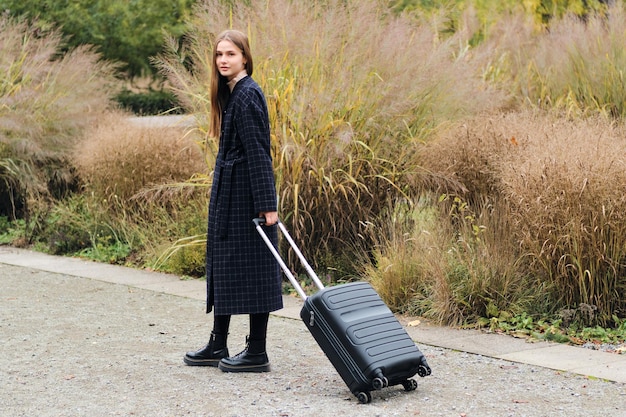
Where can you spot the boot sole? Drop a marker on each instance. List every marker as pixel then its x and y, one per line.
pixel 250 368
pixel 206 362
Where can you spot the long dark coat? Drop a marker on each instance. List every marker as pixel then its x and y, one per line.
pixel 242 275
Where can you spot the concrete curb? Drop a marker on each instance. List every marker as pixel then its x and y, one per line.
pixel 595 364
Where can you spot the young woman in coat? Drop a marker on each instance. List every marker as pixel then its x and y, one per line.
pixel 242 275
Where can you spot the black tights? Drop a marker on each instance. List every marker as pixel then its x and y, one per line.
pixel 258 325
pixel 221 325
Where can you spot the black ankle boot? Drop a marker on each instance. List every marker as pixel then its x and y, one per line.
pixel 211 354
pixel 252 359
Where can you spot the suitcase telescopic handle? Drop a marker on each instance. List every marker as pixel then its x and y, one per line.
pixel 259 222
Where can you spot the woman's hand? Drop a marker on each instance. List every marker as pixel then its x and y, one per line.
pixel 271 217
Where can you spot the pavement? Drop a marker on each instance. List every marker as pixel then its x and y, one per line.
pixel 556 356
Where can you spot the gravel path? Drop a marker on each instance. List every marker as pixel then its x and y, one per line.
pixel 80 347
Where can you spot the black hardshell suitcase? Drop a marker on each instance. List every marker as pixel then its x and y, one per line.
pixel 361 337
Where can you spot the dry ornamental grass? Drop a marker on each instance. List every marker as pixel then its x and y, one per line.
pixel 120 158
pixel 560 185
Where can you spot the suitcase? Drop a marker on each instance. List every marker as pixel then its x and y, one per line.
pixel 359 334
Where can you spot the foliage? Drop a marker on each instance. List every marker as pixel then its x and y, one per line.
pixel 403 151
pixel 152 102
pixel 135 172
pixel 55 131
pixel 186 256
pixel 129 32
pixel 576 66
pixel 554 330
pixel 307 284
pixel 106 249
pixel 541 11
pixel 399 268
pixel 80 225
pixel 11 232
pixel 545 11
pixel 122 233
pixel 589 74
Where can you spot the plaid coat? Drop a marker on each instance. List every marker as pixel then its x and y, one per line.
pixel 242 275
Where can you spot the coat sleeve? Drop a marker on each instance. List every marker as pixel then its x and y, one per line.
pixel 253 129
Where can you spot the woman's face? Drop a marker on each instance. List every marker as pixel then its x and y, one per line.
pixel 229 59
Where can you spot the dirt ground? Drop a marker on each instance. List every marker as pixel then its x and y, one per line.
pixel 80 347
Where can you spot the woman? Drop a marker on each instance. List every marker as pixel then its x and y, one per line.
pixel 242 275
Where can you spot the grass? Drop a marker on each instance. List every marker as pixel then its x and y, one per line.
pixel 119 159
pixel 575 66
pixel 451 273
pixel 11 232
pixel 547 177
pixel 138 177
pixel 350 129
pixel 346 120
pixel 45 102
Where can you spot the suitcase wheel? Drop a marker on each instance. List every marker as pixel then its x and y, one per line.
pixel 423 371
pixel 409 385
pixel 364 397
pixel 380 383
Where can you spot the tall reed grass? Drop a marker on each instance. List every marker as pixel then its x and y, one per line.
pixel 454 272
pixel 122 159
pixel 558 184
pixel 45 100
pixel 352 92
pixel 137 198
pixel 576 65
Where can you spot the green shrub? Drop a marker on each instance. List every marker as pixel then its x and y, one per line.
pixel 11 232
pixel 135 234
pixel 152 102
pixel 129 32
pixel 75 224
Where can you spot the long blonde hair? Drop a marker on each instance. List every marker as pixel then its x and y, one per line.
pixel 220 93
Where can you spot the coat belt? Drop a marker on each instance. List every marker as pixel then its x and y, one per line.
pixel 226 185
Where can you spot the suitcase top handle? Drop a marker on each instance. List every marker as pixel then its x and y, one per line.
pixel 259 222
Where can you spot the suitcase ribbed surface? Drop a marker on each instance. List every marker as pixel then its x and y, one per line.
pixel 360 335
pixel 367 320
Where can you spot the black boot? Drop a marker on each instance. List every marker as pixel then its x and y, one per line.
pixel 211 354
pixel 252 359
